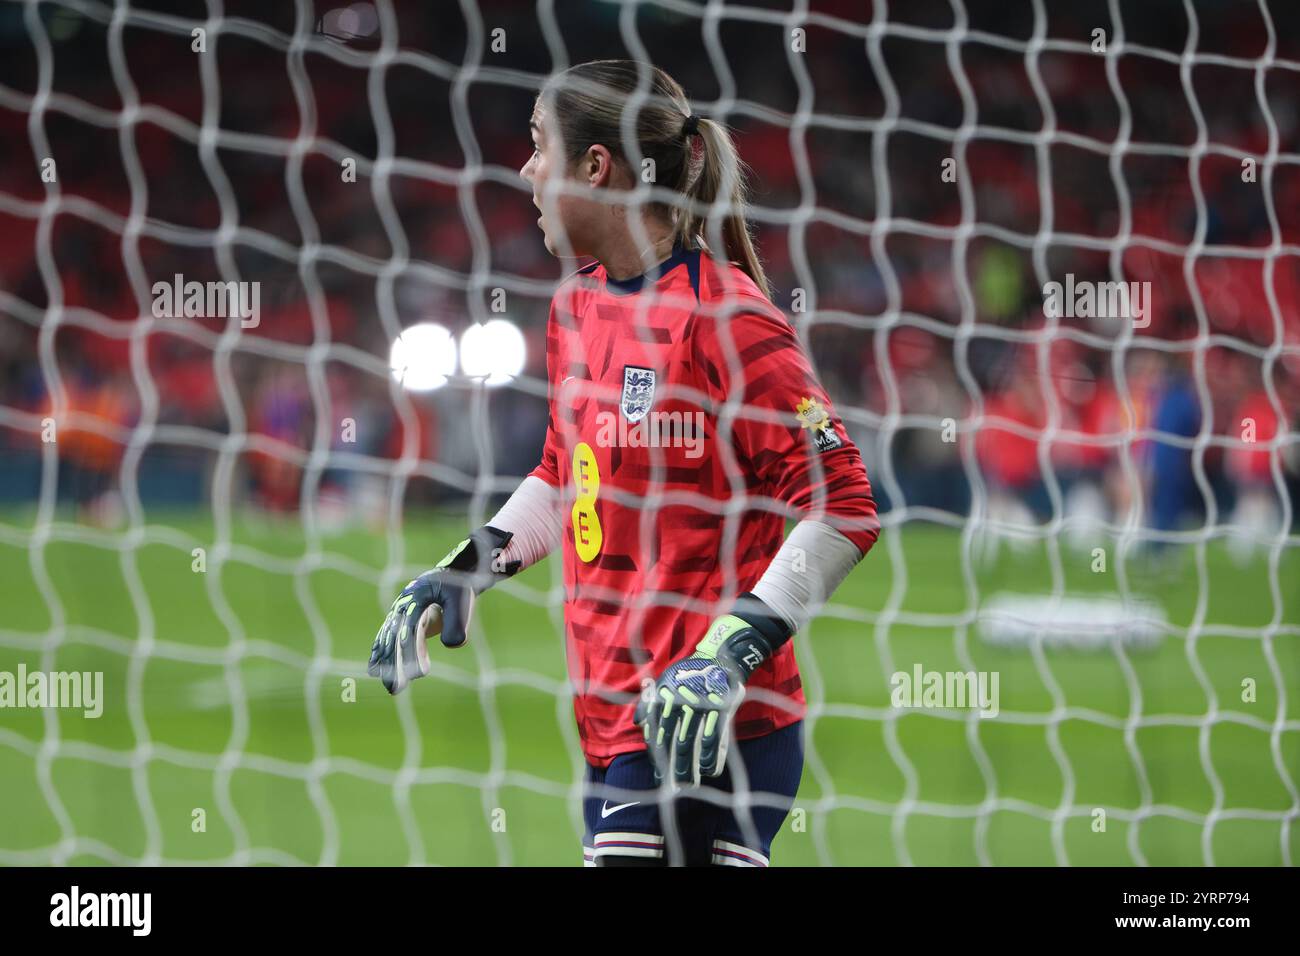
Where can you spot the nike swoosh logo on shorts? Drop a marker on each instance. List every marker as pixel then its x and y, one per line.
pixel 606 809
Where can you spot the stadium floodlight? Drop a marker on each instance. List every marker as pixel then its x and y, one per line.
pixel 422 357
pixel 494 351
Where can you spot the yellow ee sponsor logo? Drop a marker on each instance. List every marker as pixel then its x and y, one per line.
pixel 587 536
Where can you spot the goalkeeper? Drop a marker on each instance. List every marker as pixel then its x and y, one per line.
pixel 680 595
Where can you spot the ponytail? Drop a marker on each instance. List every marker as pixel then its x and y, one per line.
pixel 721 173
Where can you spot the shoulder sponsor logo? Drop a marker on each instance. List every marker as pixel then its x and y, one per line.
pixel 813 416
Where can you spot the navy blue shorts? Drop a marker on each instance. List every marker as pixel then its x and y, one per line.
pixel 628 815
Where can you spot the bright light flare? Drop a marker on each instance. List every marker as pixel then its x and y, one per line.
pixel 494 352
pixel 422 357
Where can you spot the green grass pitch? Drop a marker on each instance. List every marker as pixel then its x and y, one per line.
pixel 477 764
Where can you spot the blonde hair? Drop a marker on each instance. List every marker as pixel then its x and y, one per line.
pixel 590 103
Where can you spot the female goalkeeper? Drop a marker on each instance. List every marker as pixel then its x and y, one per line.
pixel 686 424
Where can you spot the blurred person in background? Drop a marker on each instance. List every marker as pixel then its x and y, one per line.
pixel 282 414
pixel 1119 416
pixel 929 469
pixel 1007 450
pixel 1256 518
pixel 91 438
pixel 1174 496
pixel 1080 394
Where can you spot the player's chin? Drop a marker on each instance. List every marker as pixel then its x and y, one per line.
pixel 547 241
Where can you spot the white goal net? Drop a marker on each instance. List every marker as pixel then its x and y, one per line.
pixel 272 332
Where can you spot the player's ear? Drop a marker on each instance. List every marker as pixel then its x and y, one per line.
pixel 597 166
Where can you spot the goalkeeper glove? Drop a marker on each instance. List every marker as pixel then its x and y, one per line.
pixel 686 716
pixel 437 602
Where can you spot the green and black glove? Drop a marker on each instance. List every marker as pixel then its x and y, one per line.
pixel 686 716
pixel 439 601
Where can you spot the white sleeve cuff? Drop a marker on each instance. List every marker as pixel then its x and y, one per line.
pixel 814 560
pixel 533 516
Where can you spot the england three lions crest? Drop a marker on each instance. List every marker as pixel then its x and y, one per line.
pixel 638 392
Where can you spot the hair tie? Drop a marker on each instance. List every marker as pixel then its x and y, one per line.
pixel 692 126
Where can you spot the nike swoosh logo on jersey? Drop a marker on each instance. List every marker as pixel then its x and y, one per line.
pixel 606 809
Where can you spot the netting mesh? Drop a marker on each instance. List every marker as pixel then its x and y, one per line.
pixel 918 297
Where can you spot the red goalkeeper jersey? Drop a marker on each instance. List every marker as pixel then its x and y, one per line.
pixel 686 424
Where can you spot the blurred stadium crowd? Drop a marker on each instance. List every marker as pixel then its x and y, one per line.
pixel 925 296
